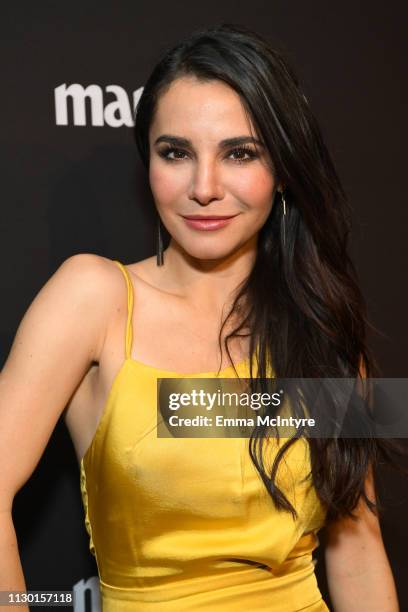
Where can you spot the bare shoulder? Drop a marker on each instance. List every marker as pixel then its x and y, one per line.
pixel 91 275
pixel 98 281
pixel 75 299
pixel 81 273
pixel 57 341
pixel 87 271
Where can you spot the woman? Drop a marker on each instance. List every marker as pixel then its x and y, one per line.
pixel 257 265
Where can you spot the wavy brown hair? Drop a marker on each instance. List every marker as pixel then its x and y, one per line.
pixel 304 308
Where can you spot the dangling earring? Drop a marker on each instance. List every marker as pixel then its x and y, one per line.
pixel 159 243
pixel 283 218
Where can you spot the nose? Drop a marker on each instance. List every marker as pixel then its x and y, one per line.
pixel 206 185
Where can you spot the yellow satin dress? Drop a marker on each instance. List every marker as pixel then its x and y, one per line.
pixel 180 524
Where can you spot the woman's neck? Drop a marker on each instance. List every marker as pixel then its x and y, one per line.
pixel 211 284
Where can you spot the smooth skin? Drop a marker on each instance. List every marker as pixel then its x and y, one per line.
pixel 70 343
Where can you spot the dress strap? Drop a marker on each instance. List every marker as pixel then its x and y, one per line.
pixel 129 331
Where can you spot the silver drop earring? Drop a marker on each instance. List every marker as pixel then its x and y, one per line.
pixel 284 216
pixel 159 243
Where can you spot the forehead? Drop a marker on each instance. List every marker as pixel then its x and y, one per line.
pixel 210 108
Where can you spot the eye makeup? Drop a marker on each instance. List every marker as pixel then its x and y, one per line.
pixel 249 152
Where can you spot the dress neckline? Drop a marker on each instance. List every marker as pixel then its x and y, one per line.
pixel 140 364
pixel 210 373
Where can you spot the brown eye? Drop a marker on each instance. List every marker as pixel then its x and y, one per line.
pixel 172 154
pixel 243 154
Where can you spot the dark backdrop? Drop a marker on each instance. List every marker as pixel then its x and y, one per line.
pixel 80 188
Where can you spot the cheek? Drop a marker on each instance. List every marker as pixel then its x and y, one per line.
pixel 254 188
pixel 165 183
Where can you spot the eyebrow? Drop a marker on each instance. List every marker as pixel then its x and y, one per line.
pixel 227 142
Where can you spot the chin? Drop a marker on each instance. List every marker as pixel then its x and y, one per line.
pixel 213 253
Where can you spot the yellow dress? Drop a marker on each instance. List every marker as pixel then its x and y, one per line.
pixel 181 524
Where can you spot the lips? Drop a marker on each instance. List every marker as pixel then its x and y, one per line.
pixel 207 222
pixel 208 217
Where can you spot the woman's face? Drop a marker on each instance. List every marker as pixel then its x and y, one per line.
pixel 205 163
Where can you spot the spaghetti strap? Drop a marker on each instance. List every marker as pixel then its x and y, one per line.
pixel 129 331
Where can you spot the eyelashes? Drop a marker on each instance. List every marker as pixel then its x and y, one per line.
pixel 246 154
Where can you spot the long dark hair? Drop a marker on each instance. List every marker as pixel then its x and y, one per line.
pixel 305 312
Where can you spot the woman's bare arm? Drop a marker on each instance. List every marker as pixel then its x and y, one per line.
pixel 60 335
pixel 358 571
